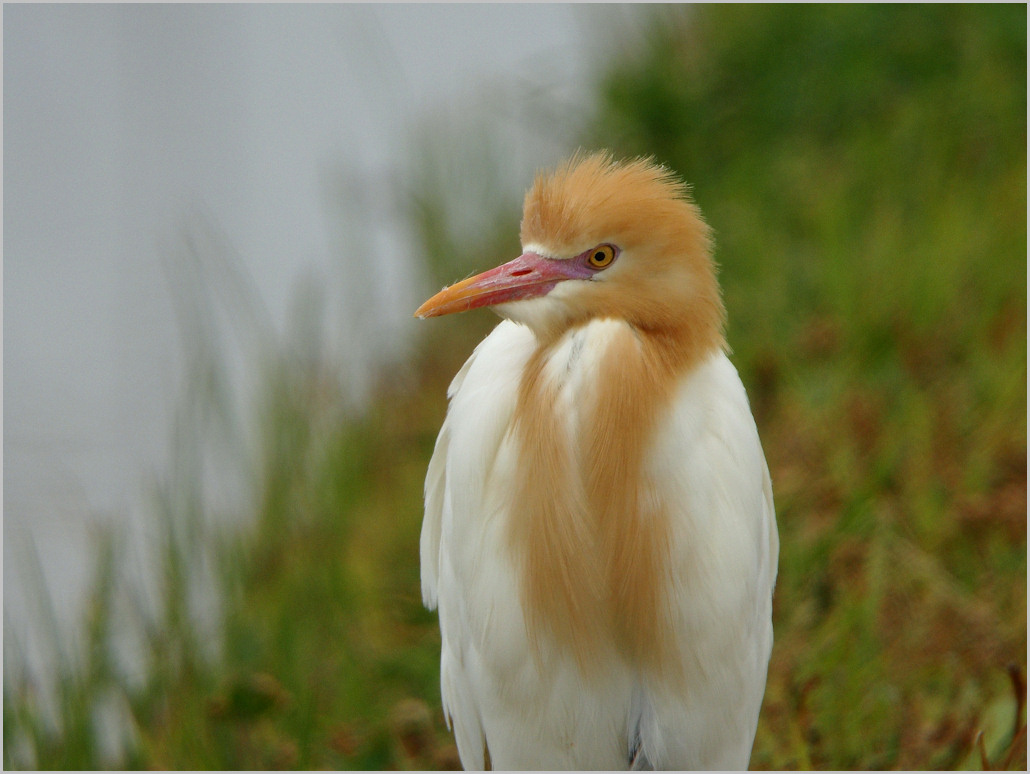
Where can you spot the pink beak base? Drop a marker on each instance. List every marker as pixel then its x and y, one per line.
pixel 527 276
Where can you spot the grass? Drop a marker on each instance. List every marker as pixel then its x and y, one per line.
pixel 865 171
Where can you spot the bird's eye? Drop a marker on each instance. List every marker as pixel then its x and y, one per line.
pixel 601 256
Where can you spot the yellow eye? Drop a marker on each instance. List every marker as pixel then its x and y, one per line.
pixel 601 256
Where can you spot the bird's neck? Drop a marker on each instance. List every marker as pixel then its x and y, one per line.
pixel 592 542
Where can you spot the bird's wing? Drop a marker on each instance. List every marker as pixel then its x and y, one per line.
pixel 708 466
pixel 773 550
pixel 461 565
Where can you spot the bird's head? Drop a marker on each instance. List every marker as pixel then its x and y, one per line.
pixel 602 239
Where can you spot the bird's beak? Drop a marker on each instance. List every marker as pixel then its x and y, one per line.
pixel 527 276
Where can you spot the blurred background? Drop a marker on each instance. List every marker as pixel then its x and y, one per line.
pixel 218 410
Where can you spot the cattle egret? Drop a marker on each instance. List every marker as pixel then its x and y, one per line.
pixel 599 534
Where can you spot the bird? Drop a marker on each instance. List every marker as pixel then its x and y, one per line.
pixel 599 536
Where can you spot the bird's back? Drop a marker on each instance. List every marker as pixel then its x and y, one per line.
pixel 518 689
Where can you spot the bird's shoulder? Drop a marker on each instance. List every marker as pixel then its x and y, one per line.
pixel 497 360
pixel 706 453
pixel 482 399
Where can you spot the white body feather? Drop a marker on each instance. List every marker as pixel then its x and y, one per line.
pixel 539 712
